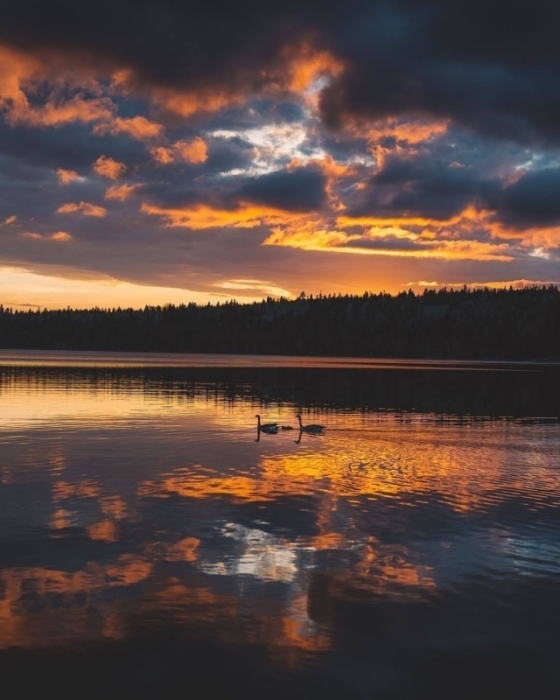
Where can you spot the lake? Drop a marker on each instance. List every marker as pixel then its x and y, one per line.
pixel 154 544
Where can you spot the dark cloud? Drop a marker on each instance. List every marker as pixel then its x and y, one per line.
pixel 297 190
pixel 425 186
pixel 533 200
pixel 483 65
pixel 167 42
pixel 180 194
pixel 73 146
pixel 490 67
pixel 225 154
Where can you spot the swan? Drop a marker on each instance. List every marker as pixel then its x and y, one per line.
pixel 311 428
pixel 266 427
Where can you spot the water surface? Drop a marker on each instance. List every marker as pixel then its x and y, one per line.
pixel 152 543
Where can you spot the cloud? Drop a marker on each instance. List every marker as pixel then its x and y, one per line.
pixel 201 216
pixel 533 200
pixel 137 127
pixel 162 155
pixel 257 287
pixel 447 59
pixel 109 168
pixel 77 109
pixel 67 176
pixel 83 208
pixel 58 237
pixel 121 192
pixel 186 104
pixel 195 152
pixel 391 246
pixel 298 190
pixel 423 185
pixel 21 73
pixel 452 60
pixel 418 136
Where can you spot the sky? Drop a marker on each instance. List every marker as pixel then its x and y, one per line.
pixel 171 152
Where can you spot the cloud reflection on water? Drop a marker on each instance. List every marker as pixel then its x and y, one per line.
pixel 127 507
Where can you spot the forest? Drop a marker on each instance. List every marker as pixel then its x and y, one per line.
pixel 470 324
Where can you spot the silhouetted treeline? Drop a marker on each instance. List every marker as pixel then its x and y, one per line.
pixel 505 324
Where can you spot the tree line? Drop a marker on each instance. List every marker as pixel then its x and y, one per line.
pixel 485 323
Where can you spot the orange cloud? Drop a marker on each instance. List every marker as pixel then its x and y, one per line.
pixel 76 109
pixel 340 242
pixel 19 74
pixel 305 71
pixel 470 215
pixel 83 208
pixel 195 151
pixel 138 127
pixel 410 133
pixel 413 130
pixel 121 192
pixel 10 220
pixel 202 216
pixel 66 176
pixel 538 237
pixel 162 154
pixel 15 69
pixel 185 104
pixel 298 69
pixel 454 239
pixel 451 240
pixel 109 168
pixel 319 239
pixel 59 236
pixel 259 286
pixel 307 64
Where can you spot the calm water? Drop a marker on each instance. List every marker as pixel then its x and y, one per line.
pixel 152 544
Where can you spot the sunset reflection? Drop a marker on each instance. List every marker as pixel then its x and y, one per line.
pixel 155 503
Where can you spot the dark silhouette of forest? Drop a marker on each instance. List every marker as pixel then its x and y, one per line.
pixel 477 324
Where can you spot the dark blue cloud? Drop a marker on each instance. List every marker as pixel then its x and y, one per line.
pixel 425 186
pixel 73 146
pixel 533 200
pixel 491 68
pixel 297 190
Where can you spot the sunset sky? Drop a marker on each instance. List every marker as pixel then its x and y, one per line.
pixel 168 152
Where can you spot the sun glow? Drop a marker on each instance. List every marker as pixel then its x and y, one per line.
pixel 21 288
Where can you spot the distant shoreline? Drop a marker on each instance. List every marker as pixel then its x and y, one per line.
pixel 108 359
pixel 478 325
